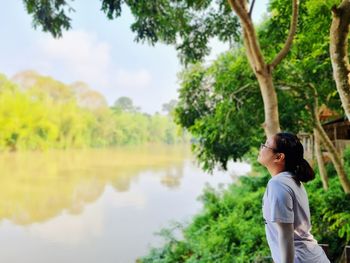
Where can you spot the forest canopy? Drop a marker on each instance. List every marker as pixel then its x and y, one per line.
pixel 39 112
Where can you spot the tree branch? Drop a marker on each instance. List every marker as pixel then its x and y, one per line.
pixel 243 88
pixel 330 148
pixel 248 47
pixel 338 50
pixel 293 28
pixel 240 10
pixel 251 9
pixel 249 34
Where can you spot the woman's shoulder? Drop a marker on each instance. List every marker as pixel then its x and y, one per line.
pixel 282 181
pixel 287 184
pixel 281 178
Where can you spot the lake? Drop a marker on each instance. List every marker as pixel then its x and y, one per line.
pixel 97 205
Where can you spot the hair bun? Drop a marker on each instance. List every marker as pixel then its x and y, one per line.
pixel 290 145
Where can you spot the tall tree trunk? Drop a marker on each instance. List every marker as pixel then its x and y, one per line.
pixel 327 143
pixel 320 162
pixel 268 92
pixel 262 70
pixel 335 157
pixel 339 52
pixel 263 74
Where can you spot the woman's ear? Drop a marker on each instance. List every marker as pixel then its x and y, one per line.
pixel 280 157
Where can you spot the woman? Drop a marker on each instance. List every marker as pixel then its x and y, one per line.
pixel 285 203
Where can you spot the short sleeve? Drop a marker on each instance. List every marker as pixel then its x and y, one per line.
pixel 280 201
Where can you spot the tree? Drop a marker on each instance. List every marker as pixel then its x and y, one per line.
pixel 41 86
pixel 125 104
pixel 338 48
pixel 23 121
pixel 262 70
pixel 88 98
pixel 331 149
pixel 189 25
pixel 308 66
pixel 221 106
pixel 320 162
pixel 310 69
pixel 169 107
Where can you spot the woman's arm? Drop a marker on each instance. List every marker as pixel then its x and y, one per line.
pixel 286 241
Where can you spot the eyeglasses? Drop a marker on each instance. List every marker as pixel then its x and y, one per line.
pixel 265 146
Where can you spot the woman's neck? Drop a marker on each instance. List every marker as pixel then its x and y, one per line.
pixel 275 170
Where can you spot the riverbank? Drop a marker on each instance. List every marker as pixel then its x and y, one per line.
pixel 230 226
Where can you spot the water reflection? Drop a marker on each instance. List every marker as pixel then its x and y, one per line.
pixel 172 176
pixel 96 205
pixel 35 187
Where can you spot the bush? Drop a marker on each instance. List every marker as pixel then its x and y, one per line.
pixel 230 226
pixel 330 210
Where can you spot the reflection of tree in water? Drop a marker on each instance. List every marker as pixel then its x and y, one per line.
pixel 172 176
pixel 25 200
pixel 35 187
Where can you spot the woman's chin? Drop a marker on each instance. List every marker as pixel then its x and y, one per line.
pixel 261 161
pixel 258 159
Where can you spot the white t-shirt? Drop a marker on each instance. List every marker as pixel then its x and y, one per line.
pixel 285 201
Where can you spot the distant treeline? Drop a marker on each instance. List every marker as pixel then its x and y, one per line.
pixel 38 112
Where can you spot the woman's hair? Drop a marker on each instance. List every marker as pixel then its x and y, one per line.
pixel 293 150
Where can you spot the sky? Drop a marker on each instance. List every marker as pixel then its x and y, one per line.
pixel 97 51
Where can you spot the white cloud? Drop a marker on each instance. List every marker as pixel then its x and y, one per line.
pixel 138 79
pixel 81 54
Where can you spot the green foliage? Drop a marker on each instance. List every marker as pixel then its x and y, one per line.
pixel 169 107
pixel 346 156
pixel 229 228
pixel 124 104
pixel 308 62
pixel 337 214
pixel 330 213
pixel 220 104
pixel 44 113
pixel 187 24
pixel 221 107
pixel 215 105
pixel 51 15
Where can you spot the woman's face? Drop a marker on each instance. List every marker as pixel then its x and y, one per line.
pixel 266 153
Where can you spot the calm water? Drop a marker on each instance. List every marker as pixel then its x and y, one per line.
pixel 96 205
